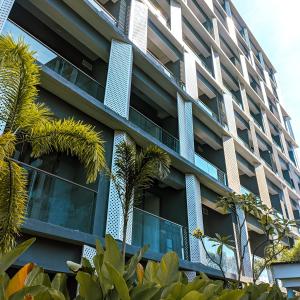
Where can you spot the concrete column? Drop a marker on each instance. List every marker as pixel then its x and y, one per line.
pixel 190 72
pixel 5 8
pixel 244 68
pixel 234 183
pixel 284 144
pixel 118 83
pixel 186 129
pixel 115 221
pixel 229 20
pixel 254 138
pixel 266 124
pixel 138 24
pixel 288 203
pixel 276 160
pixel 176 19
pixel 263 91
pixel 195 217
pixel 262 185
pixel 279 112
pixel 216 31
pixel 247 39
pixel 217 66
pixel 245 100
pixel 228 102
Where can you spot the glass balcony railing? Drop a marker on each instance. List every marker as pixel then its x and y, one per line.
pixel 208 110
pixel 258 262
pixel 47 57
pixel 160 234
pixel 245 191
pixel 156 131
pixel 210 169
pixel 229 258
pixel 179 82
pixel 100 8
pixel 58 201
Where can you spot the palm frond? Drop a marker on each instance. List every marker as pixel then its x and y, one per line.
pixel 151 163
pixel 7 145
pixel 72 137
pixel 13 199
pixel 19 76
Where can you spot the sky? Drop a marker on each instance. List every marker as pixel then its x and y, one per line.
pixel 276 26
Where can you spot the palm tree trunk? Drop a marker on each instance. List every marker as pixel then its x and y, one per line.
pixel 124 235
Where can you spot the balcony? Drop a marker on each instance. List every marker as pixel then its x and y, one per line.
pixel 55 200
pixel 101 9
pixel 47 57
pixel 229 258
pixel 245 191
pixel 263 277
pixel 165 70
pixel 156 131
pixel 210 169
pixel 208 110
pixel 160 234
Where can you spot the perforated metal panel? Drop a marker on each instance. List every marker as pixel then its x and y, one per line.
pixel 190 275
pixel 195 218
pixel 118 84
pixel 5 8
pixel 89 252
pixel 138 24
pixel 114 223
pixel 186 129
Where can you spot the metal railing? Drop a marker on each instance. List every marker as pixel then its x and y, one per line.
pixel 152 128
pixel 52 60
pixel 210 169
pixel 160 234
pixel 56 200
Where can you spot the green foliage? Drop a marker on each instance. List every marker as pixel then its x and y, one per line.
pixel 292 254
pixel 135 171
pixel 112 279
pixel 29 122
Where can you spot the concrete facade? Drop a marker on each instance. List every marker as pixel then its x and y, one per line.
pixel 184 75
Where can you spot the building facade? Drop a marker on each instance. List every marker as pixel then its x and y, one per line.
pixel 186 75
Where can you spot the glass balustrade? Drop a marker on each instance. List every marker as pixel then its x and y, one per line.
pixel 208 110
pixel 210 169
pixel 58 201
pixel 47 57
pixel 156 131
pixel 258 263
pixel 101 8
pixel 160 234
pixel 229 259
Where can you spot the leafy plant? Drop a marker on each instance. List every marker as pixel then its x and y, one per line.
pixel 274 229
pixel 135 171
pixel 29 122
pixel 109 278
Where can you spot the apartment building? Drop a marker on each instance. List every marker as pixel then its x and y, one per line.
pixel 186 75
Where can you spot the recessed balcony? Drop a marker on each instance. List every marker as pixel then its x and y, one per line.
pixel 52 60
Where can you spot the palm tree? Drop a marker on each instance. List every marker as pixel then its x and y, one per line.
pixel 135 171
pixel 26 121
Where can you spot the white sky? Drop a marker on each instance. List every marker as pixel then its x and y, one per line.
pixel 276 26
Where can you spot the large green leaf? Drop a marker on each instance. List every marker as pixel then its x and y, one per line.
pixel 88 288
pixel 112 254
pixel 146 292
pixel 118 281
pixel 167 272
pixel 59 283
pixel 151 272
pixel 30 279
pixel 10 257
pixel 31 290
pixel 135 259
pixel 4 279
pixel 194 295
pixel 231 295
